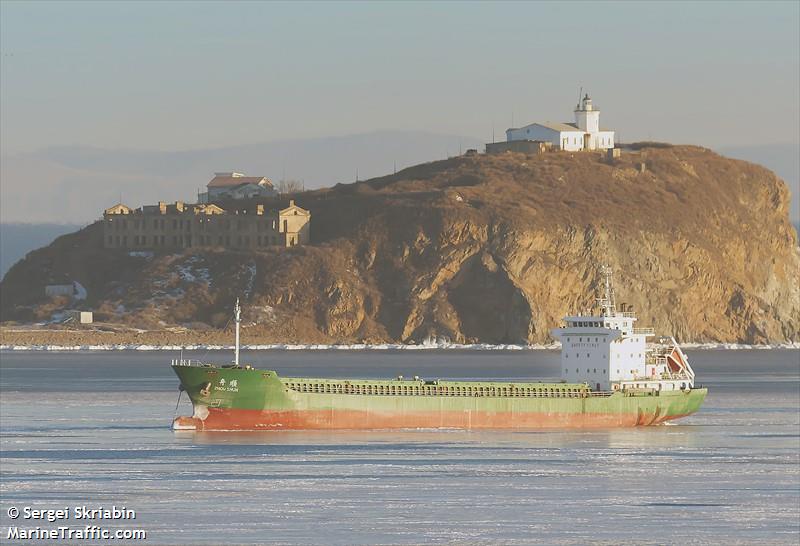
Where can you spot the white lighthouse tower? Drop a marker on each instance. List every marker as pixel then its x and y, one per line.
pixel 586 117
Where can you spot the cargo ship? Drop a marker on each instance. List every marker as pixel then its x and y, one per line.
pixel 611 376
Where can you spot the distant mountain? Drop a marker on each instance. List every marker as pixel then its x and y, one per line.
pixel 16 240
pixel 75 184
pixel 783 160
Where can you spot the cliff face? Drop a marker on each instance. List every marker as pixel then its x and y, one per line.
pixel 483 248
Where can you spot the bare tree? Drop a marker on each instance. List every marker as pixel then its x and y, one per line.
pixel 290 186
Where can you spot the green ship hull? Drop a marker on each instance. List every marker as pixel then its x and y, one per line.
pixel 249 399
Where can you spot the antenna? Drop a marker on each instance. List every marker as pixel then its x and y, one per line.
pixel 607 302
pixel 492 131
pixel 580 94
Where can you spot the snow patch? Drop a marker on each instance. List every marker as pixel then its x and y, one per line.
pixel 251 271
pixel 190 272
pixel 80 291
pixel 360 347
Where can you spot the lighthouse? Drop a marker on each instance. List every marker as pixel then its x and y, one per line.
pixel 584 134
pixel 586 117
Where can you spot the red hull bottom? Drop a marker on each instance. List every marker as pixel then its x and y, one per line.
pixel 226 419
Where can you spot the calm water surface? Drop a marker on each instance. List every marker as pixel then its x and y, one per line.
pixel 93 429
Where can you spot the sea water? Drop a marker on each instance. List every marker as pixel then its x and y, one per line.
pixel 85 429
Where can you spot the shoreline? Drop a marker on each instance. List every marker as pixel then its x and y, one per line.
pixel 433 346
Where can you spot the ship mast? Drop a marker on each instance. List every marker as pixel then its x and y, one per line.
pixel 237 317
pixel 607 302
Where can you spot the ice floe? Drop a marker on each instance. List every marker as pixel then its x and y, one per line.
pixel 362 347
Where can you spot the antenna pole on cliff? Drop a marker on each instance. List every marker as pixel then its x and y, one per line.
pixel 237 317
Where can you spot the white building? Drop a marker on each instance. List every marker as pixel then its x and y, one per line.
pixel 233 185
pixel 584 134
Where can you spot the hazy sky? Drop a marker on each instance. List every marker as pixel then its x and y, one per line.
pixel 186 75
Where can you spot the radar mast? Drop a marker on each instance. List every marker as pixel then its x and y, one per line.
pixel 607 303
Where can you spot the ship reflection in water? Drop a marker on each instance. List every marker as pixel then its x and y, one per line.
pixel 613 438
pixel 95 428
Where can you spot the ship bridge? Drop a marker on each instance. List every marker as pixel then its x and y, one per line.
pixel 603 347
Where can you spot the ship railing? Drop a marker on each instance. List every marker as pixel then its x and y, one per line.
pixel 600 394
pixel 185 362
pixel 626 314
pixel 663 375
pixel 644 331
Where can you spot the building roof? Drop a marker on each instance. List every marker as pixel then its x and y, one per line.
pixel 231 180
pixel 554 125
pixel 119 208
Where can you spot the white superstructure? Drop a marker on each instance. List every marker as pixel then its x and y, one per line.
pixel 609 353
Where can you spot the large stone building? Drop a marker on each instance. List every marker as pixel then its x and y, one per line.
pixel 245 226
pixel 584 134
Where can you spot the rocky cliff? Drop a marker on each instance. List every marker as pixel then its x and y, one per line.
pixel 480 248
